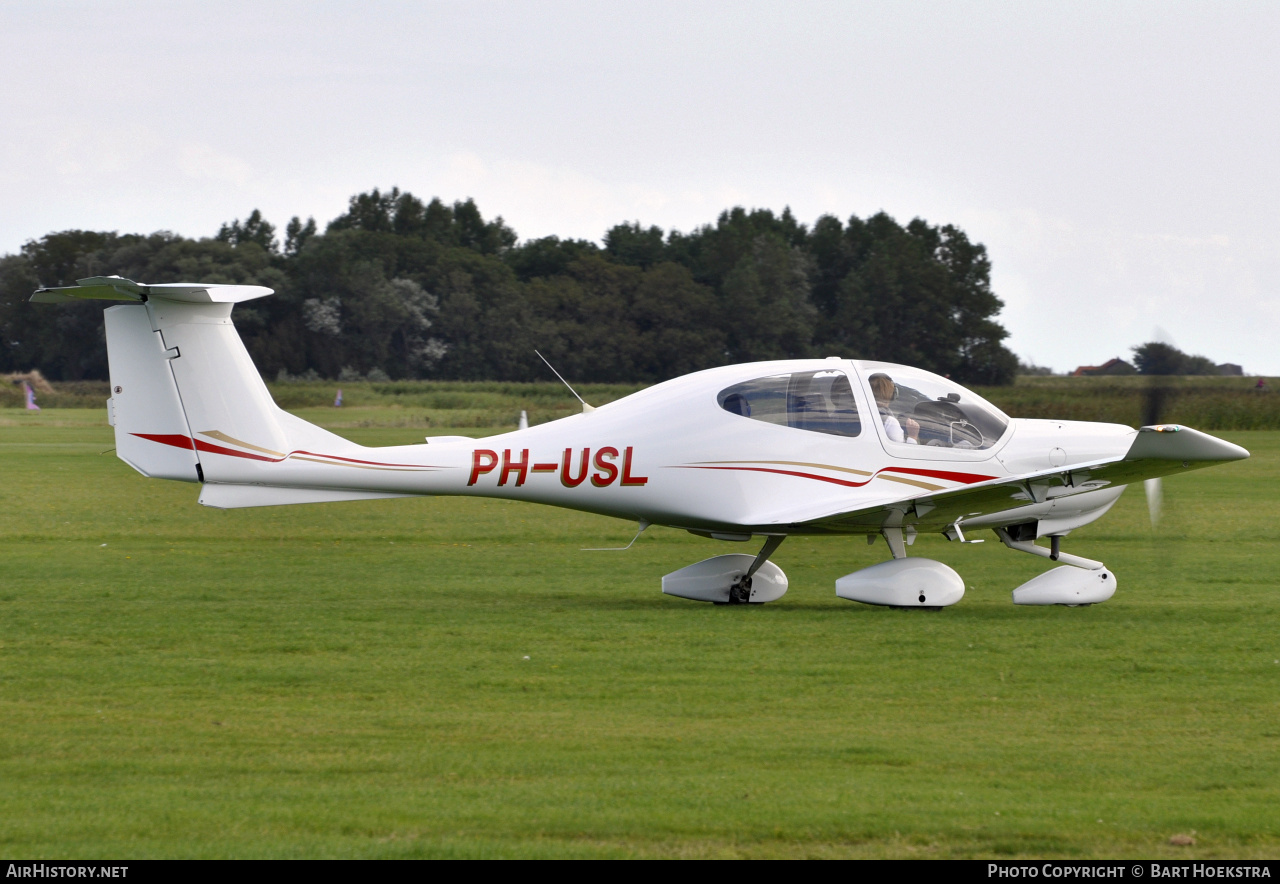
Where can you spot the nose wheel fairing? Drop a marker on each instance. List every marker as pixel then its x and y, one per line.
pixel 1067 586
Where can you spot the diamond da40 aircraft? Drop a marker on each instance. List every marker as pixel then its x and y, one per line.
pixel 766 450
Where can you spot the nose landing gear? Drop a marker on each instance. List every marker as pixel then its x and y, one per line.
pixel 1078 582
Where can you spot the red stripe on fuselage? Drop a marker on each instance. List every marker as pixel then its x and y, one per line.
pixel 186 442
pixel 845 482
pixel 200 445
pixel 174 440
pixel 966 478
pixel 372 463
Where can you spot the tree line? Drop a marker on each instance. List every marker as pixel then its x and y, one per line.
pixel 401 288
pixel 1155 357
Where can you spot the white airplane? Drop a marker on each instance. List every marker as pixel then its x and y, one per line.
pixel 768 449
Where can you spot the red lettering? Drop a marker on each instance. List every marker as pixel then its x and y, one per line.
pixel 627 478
pixel 568 480
pixel 608 472
pixel 519 467
pixel 478 469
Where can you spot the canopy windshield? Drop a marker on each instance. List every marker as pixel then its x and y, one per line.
pixel 919 407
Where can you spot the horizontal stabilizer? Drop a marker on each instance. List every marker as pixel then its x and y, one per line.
pixel 230 497
pixel 117 288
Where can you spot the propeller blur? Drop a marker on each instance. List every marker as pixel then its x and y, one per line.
pixel 770 449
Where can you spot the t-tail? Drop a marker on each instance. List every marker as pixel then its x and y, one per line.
pixel 187 402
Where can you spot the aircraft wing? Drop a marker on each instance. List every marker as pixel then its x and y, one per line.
pixel 1156 451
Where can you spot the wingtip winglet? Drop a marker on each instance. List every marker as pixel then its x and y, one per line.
pixel 1176 442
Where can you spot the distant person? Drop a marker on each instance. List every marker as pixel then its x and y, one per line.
pixel 1261 385
pixel 884 389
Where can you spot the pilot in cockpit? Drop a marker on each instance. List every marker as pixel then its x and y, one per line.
pixel 884 388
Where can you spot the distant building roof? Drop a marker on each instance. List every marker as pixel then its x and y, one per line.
pixel 1111 366
pixel 1230 368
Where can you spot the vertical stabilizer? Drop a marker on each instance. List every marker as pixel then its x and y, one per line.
pixel 187 401
pixel 227 406
pixel 240 434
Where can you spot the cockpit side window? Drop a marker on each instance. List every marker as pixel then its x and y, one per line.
pixel 819 401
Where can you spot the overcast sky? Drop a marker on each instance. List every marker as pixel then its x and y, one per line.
pixel 1118 160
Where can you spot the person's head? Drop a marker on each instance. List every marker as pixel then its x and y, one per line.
pixel 882 386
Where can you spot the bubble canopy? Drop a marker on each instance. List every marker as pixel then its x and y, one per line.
pixel 820 401
pixel 946 414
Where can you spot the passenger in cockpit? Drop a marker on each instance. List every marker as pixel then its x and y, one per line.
pixel 884 388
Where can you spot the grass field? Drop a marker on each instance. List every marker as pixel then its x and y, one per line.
pixel 445 677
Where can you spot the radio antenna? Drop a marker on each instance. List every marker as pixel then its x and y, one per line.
pixel 585 407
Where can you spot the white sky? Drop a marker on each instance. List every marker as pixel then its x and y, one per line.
pixel 1117 159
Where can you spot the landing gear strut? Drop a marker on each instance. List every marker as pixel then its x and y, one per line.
pixel 740 591
pixel 733 579
pixel 1078 582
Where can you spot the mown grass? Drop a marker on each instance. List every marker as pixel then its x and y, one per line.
pixel 350 680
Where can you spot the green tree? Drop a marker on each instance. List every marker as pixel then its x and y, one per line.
pixel 66 341
pixel 383 325
pixel 606 322
pixel 296 235
pixel 485 320
pixel 405 215
pixel 712 252
pixel 548 256
pixel 585 314
pixel 919 295
pixel 1156 358
pixel 414 288
pixel 255 229
pixel 765 298
pixel 895 304
pixel 677 324
pixel 635 245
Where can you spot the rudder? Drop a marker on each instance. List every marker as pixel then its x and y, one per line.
pixel 151 430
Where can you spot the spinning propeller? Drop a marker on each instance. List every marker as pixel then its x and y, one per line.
pixel 1154 400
